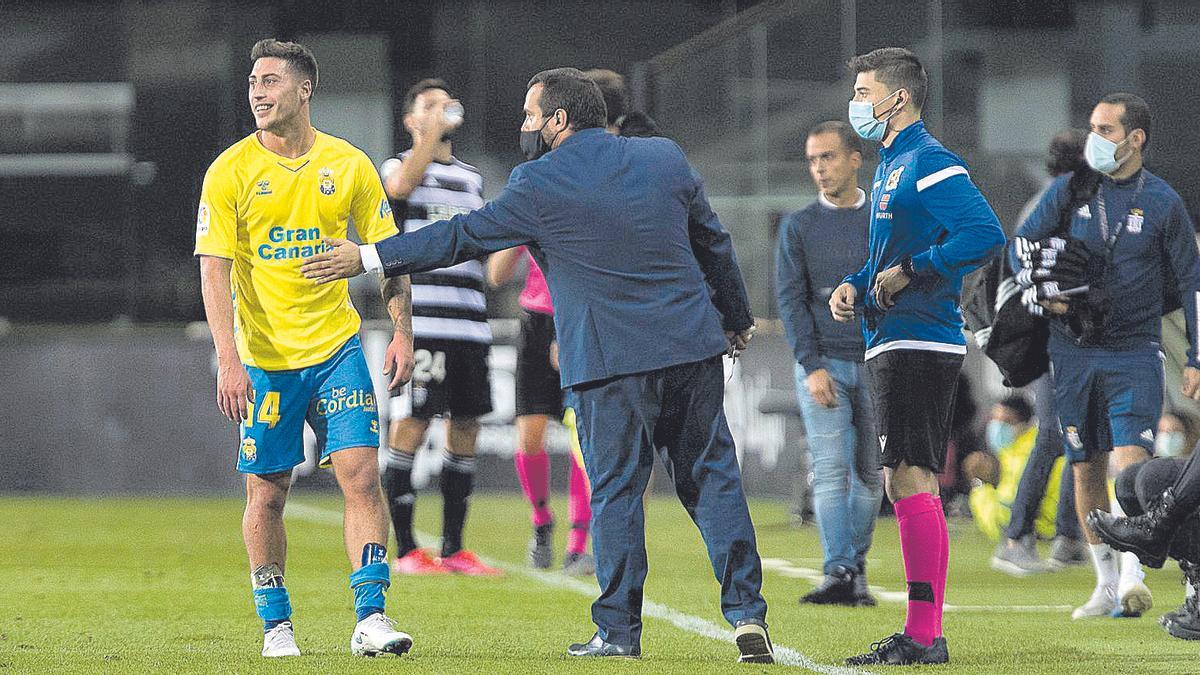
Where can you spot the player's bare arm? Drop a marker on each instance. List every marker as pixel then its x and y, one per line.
pixel 398 361
pixel 233 383
pixel 428 144
pixel 501 266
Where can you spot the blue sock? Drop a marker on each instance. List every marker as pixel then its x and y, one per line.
pixel 371 581
pixel 273 606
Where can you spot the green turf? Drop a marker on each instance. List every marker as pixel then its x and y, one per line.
pixel 161 585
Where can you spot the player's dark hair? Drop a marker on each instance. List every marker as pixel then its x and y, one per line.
pixel 613 89
pixel 1185 420
pixel 1065 153
pixel 570 90
pixel 896 67
pixel 297 56
pixel 410 97
pixel 850 140
pixel 1020 407
pixel 637 123
pixel 1136 114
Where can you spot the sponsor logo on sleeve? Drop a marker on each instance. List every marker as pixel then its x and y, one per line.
pixel 202 220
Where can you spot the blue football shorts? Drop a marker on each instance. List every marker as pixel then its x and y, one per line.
pixel 1107 398
pixel 336 398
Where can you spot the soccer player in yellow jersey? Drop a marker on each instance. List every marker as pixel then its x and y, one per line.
pixel 287 349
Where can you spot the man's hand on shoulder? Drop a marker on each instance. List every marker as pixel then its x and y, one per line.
pixel 340 260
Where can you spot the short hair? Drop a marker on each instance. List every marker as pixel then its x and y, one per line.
pixel 1136 114
pixel 1185 420
pixel 896 67
pixel 1020 407
pixel 845 132
pixel 574 92
pixel 613 89
pixel 1065 152
pixel 637 123
pixel 410 97
pixel 297 56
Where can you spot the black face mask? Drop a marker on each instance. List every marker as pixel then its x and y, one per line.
pixel 533 145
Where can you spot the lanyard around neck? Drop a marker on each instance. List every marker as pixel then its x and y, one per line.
pixel 1110 240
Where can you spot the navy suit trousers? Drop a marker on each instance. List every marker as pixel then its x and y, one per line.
pixel 677 412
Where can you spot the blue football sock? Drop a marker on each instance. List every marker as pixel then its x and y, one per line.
pixel 370 582
pixel 273 606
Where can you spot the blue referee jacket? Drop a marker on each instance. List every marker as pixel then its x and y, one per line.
pixel 924 205
pixel 642 274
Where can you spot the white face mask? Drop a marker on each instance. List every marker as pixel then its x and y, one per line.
pixel 1169 444
pixel 1101 153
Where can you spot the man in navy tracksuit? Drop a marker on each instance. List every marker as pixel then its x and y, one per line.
pixel 1108 382
pixel 647 297
pixel 930 226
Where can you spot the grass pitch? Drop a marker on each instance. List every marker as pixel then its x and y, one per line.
pixel 140 585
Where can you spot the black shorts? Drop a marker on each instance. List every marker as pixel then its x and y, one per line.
pixel 913 395
pixel 539 389
pixel 450 379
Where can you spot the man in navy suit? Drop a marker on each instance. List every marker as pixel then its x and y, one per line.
pixel 648 297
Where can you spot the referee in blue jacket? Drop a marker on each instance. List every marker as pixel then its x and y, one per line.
pixel 647 298
pixel 930 226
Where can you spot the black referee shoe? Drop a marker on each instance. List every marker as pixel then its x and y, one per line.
pixel 901 650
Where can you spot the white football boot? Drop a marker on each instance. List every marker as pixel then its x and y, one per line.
pixel 1102 603
pixel 376 635
pixel 280 641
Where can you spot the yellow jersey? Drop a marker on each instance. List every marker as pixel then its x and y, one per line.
pixel 267 213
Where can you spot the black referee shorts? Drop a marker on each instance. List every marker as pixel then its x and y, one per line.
pixel 913 395
pixel 539 389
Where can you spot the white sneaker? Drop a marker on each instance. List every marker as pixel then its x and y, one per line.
pixel 376 635
pixel 1102 603
pixel 280 641
pixel 1135 600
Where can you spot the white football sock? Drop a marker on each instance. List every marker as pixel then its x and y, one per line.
pixel 1105 561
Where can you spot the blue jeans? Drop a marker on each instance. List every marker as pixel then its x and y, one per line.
pixel 676 412
pixel 847 478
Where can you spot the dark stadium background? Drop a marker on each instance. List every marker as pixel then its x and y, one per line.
pixel 106 381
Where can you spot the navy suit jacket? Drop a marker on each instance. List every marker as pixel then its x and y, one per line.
pixel 641 272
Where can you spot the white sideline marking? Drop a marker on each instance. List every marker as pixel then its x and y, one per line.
pixel 785 568
pixel 692 624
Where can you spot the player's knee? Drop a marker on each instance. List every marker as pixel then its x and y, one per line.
pixel 265 502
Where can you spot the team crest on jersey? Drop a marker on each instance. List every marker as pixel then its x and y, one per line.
pixel 1134 221
pixel 264 187
pixel 249 450
pixel 1084 211
pixel 326 183
pixel 202 220
pixel 893 180
pixel 1073 438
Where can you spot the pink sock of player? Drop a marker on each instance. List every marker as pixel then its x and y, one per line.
pixel 939 590
pixel 579 508
pixel 533 468
pixel 921 533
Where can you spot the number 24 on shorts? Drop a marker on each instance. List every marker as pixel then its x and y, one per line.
pixel 429 366
pixel 268 414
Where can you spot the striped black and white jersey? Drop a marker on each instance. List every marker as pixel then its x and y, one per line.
pixel 447 304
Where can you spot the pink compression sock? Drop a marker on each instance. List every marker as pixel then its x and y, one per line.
pixel 579 508
pixel 924 547
pixel 939 591
pixel 533 468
